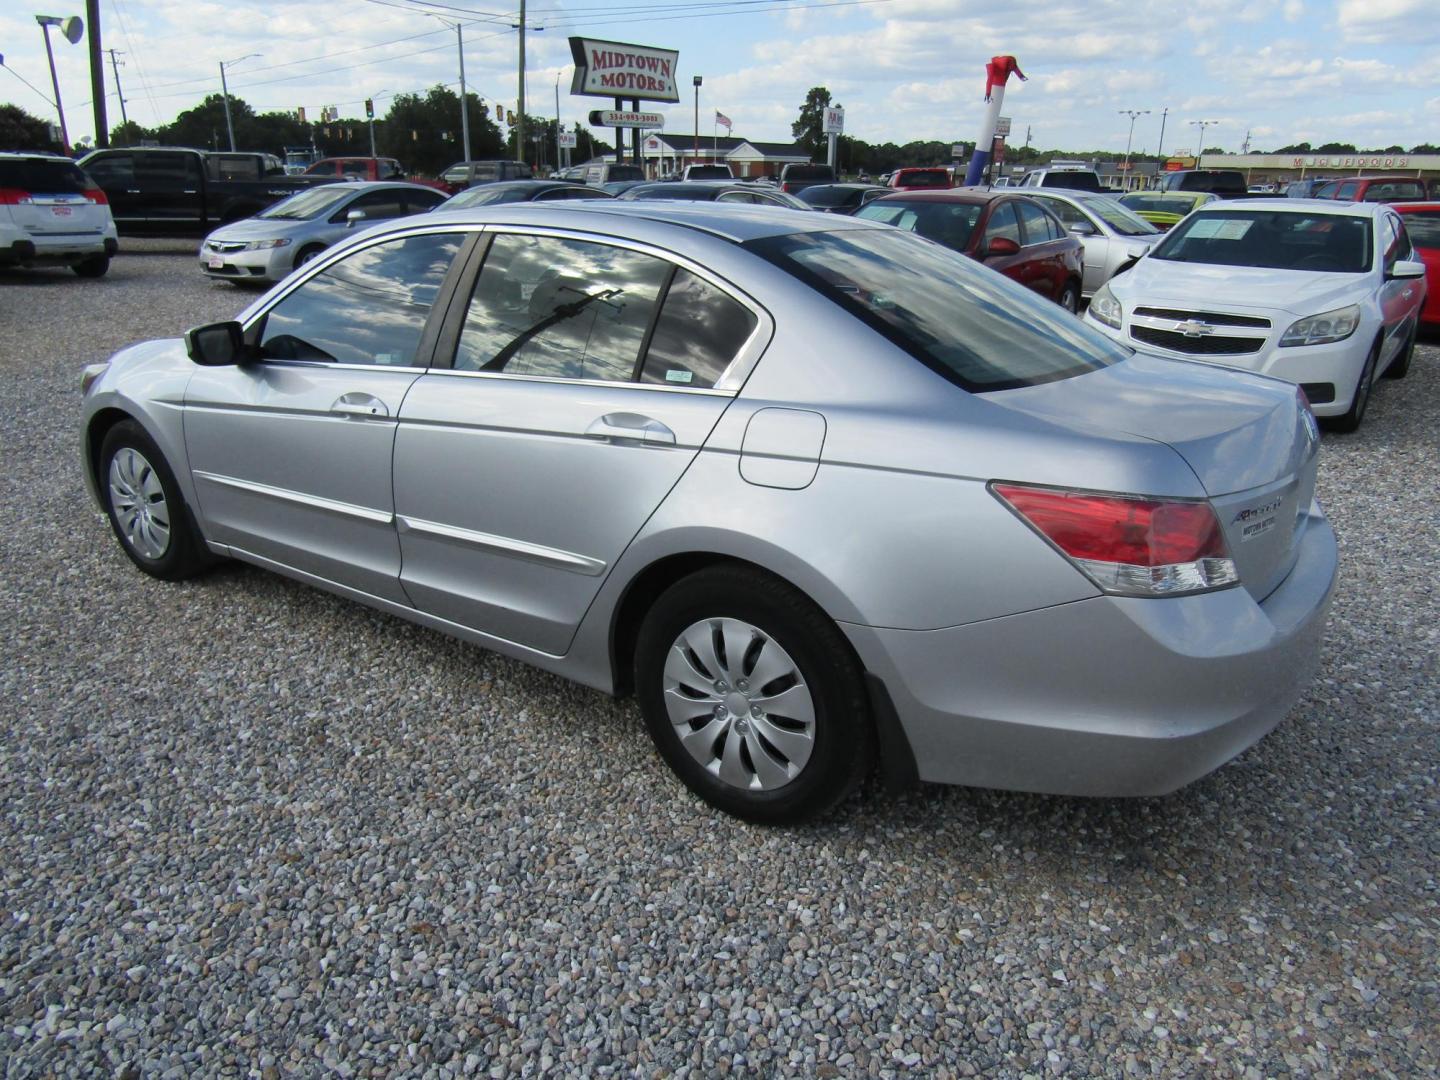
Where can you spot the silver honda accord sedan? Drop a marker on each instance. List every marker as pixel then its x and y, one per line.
pixel 824 495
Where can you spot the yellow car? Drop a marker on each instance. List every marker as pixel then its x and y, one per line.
pixel 1165 208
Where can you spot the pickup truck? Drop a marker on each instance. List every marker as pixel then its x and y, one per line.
pixel 1226 183
pixel 183 192
pixel 1066 179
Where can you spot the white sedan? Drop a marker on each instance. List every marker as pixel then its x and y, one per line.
pixel 1326 295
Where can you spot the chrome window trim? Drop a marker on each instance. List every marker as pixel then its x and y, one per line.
pixel 735 373
pixel 504 545
pixel 315 502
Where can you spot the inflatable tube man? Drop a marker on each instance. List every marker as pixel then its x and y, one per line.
pixel 997 72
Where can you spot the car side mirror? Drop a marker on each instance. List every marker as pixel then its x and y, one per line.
pixel 1001 245
pixel 1406 268
pixel 354 216
pixel 218 344
pixel 1082 228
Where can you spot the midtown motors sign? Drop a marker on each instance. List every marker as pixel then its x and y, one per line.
pixel 615 70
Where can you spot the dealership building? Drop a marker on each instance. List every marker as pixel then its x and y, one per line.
pixel 664 154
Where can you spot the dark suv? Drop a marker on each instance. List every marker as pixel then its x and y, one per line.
pixel 798 177
pixel 466 174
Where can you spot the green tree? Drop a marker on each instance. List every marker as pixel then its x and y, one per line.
pixel 808 130
pixel 21 131
pixel 130 134
pixel 423 131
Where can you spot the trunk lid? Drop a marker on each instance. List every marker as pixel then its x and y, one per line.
pixel 1244 436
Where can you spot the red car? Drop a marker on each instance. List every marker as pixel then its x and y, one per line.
pixel 1386 189
pixel 934 178
pixel 368 168
pixel 1422 222
pixel 1013 234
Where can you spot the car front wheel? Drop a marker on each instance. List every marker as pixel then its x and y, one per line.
pixel 145 507
pixel 1360 399
pixel 752 696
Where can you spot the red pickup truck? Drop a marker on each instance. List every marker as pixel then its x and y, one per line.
pixel 1386 189
pixel 367 168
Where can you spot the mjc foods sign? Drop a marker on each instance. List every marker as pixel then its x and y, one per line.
pixel 615 70
pixel 1358 161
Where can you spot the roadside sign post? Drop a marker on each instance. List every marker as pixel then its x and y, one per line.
pixel 834 127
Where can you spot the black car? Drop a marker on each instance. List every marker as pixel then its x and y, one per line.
pixel 796 177
pixel 841 198
pixel 513 191
pixel 726 191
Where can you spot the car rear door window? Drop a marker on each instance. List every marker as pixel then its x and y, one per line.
pixel 1035 222
pixel 698 333
pixel 113 170
pixel 560 308
pixel 1347 190
pixel 1423 227
pixel 164 171
pixel 1004 223
pixel 368 308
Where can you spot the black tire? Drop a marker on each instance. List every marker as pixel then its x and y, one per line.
pixel 305 254
pixel 1070 297
pixel 843 747
pixel 93 267
pixel 1360 400
pixel 1400 366
pixel 184 553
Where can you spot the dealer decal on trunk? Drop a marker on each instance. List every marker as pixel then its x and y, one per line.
pixel 1257 520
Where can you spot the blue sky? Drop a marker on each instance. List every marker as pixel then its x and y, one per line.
pixel 1361 71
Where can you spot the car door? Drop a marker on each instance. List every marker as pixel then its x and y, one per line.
pixel 1096 247
pixel 1401 298
pixel 1004 223
pixel 171 186
pixel 291 453
pixel 582 385
pixel 1044 249
pixel 114 171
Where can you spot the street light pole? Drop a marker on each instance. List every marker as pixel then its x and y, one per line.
pixel 72 28
pixel 698 81
pixel 557 120
pixel 1200 150
pixel 1160 149
pixel 225 93
pixel 1133 114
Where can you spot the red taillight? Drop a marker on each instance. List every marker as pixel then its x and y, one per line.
pixel 1133 546
pixel 97 196
pixel 13 196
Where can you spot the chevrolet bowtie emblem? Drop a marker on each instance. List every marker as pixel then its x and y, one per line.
pixel 1194 328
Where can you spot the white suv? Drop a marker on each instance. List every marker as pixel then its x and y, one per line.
pixel 52 213
pixel 1325 295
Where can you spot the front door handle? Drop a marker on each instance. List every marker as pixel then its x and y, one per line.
pixel 358 404
pixel 625 427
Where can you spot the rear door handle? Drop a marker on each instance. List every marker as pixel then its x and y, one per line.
pixel 361 405
pixel 625 427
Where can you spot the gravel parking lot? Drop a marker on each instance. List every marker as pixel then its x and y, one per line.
pixel 253 830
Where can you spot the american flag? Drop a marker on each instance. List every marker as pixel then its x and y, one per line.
pixel 722 120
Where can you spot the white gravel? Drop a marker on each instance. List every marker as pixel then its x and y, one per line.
pixel 252 830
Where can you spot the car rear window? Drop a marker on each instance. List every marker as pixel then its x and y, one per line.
pixel 925 176
pixel 1423 227
pixel 631 172
pixel 695 172
pixel 969 324
pixel 828 197
pixel 809 172
pixel 946 223
pixel 58 177
pixel 1394 190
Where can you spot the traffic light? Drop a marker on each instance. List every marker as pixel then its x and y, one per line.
pixel 369 108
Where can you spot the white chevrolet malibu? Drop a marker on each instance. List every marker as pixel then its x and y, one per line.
pixel 1326 295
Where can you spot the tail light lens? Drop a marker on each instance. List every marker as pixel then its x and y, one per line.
pixel 96 195
pixel 13 196
pixel 1129 546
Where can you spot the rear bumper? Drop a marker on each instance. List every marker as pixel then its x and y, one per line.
pixel 1108 696
pixel 40 250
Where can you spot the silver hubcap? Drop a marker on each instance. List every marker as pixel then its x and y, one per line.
pixel 739 704
pixel 139 503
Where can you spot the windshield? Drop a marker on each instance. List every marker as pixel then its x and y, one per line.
pixel 1123 221
pixel 827 196
pixel 946 223
pixel 310 203
pixel 969 324
pixel 1272 239
pixel 1159 204
pixel 915 177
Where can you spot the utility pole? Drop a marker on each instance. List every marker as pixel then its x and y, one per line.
pixel 1245 146
pixel 1027 136
pixel 225 92
pixel 520 93
pixel 558 156
pixel 1160 147
pixel 97 75
pixel 115 67
pixel 464 105
pixel 698 81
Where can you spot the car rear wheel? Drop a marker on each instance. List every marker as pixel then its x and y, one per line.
pixel 1070 297
pixel 752 696
pixel 146 510
pixel 1400 366
pixel 93 267
pixel 1360 399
